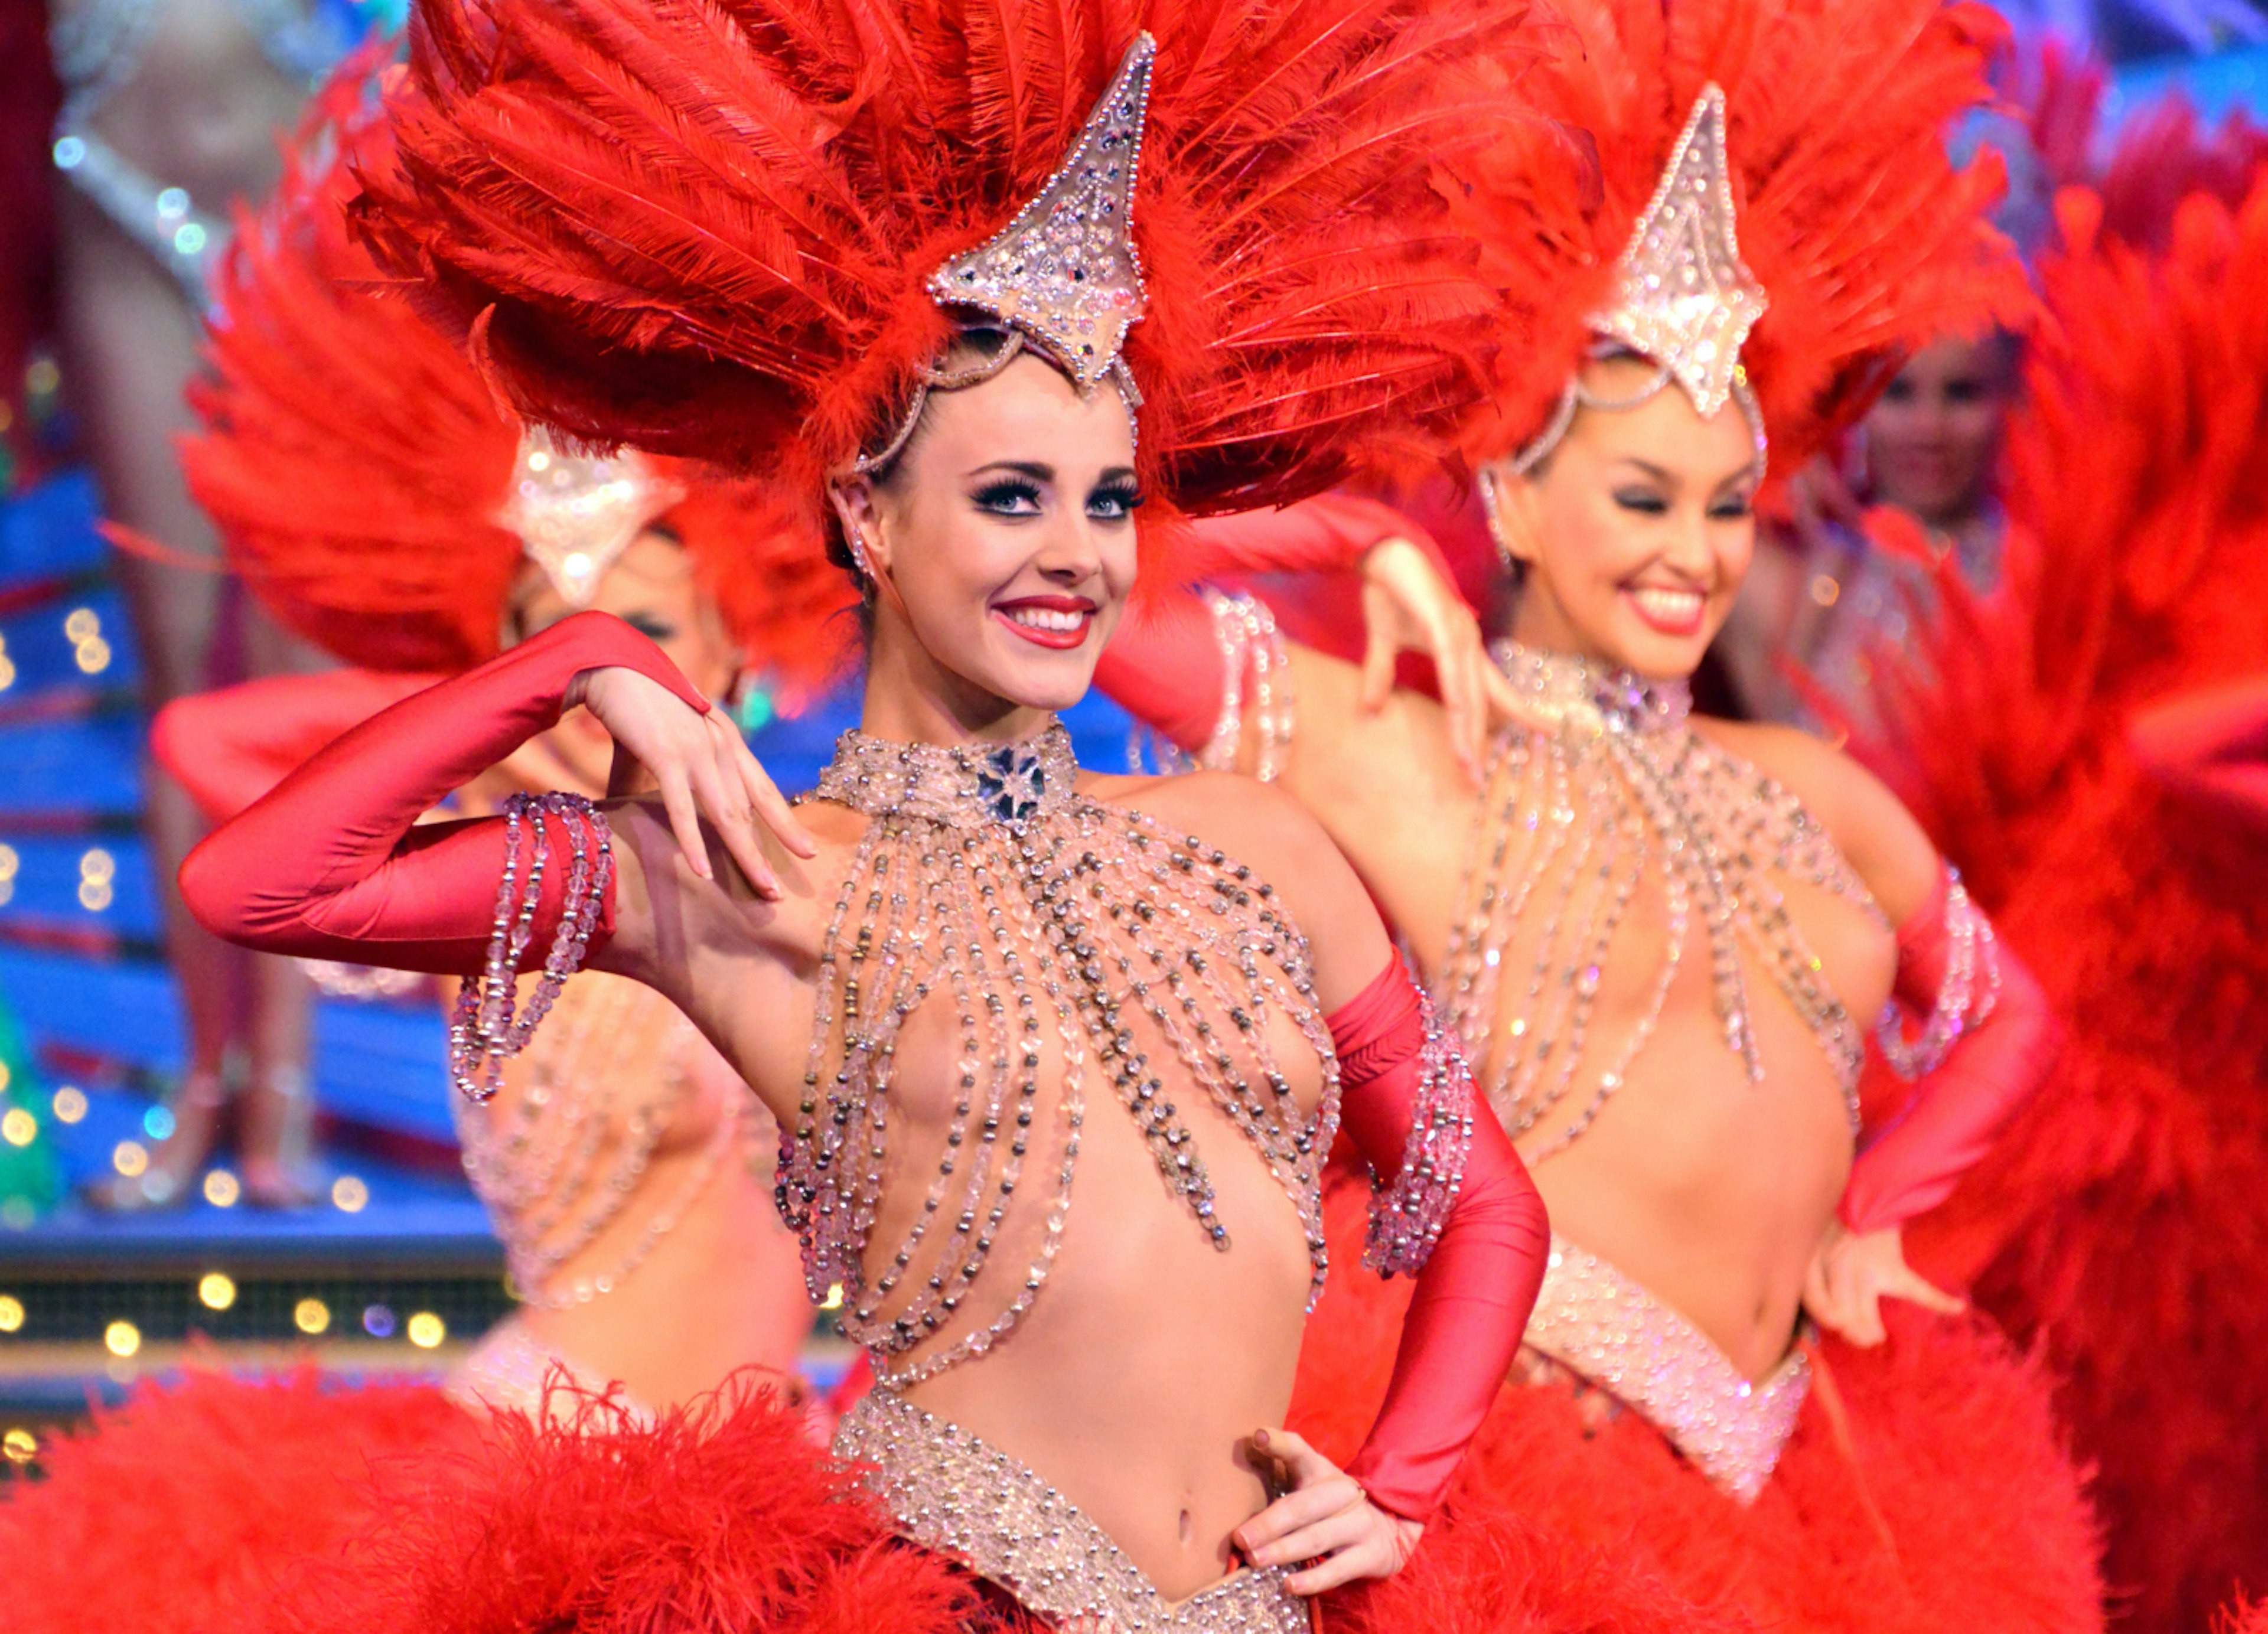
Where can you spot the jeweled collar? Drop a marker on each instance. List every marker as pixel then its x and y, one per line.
pixel 962 786
pixel 1587 694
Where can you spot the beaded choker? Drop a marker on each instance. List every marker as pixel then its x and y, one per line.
pixel 1076 941
pixel 1577 817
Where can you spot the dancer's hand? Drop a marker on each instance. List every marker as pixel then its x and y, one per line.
pixel 1407 606
pixel 1851 1276
pixel 700 766
pixel 1325 1518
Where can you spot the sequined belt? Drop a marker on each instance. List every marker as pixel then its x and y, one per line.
pixel 1595 1321
pixel 950 1492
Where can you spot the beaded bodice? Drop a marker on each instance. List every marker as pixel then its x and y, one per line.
pixel 1576 819
pixel 562 1159
pixel 1075 945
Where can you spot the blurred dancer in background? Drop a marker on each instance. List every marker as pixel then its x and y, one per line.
pixel 171 115
pixel 368 491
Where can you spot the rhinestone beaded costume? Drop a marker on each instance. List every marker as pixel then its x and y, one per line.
pixel 985 875
pixel 1625 789
pixel 1592 1318
pixel 949 1491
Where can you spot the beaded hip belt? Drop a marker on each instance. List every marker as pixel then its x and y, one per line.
pixel 950 1492
pixel 1598 1323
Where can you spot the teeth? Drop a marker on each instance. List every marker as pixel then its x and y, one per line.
pixel 1673 607
pixel 1044 618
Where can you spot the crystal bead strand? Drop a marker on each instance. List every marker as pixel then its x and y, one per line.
pixel 987 881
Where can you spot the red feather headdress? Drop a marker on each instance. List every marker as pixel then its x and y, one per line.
pixel 357 466
pixel 1856 230
pixel 707 226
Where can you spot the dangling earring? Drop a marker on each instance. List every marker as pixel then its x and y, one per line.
pixel 1493 509
pixel 860 555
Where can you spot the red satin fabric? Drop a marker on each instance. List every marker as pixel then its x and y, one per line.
pixel 1470 1303
pixel 333 864
pixel 1956 1112
pixel 229 747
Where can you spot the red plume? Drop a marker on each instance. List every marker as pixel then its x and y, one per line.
pixel 1851 214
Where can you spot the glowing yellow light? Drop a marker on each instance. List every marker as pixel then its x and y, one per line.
pixel 6 1076
pixel 7 416
pixel 95 864
pixel 94 896
pixel 7 672
pixel 539 460
pixel 20 1446
pixel 349 1194
pixel 129 1158
pixel 11 1313
pixel 9 862
pixel 121 1339
pixel 215 1292
pixel 221 1189
pixel 311 1316
pixel 19 1128
pixel 70 1104
pixel 82 624
pixel 427 1330
pixel 1825 591
pixel 91 657
pixel 42 377
pixel 833 1299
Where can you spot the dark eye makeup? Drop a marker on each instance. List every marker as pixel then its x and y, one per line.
pixel 1009 496
pixel 1114 502
pixel 653 626
pixel 1641 502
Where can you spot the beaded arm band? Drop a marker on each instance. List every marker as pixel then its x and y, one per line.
pixel 1407 1215
pixel 1965 998
pixel 1245 631
pixel 485 1033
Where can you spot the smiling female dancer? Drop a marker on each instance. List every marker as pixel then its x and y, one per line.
pixel 1664 938
pixel 918 303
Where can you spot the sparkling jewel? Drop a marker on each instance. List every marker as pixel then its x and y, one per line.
pixel 1682 297
pixel 1069 942
pixel 1065 272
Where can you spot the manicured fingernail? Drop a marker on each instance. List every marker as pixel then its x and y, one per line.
pixel 1259 1438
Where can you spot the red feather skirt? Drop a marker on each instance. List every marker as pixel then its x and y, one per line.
pixel 1926 1488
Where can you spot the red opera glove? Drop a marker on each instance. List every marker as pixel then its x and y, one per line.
pixel 1988 1038
pixel 1450 1203
pixel 229 747
pixel 333 864
pixel 2210 746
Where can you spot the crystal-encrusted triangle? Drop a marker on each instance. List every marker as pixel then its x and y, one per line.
pixel 1681 296
pixel 1065 272
pixel 577 513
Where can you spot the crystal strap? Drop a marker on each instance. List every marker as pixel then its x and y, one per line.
pixel 961 787
pixel 484 1032
pixel 1966 996
pixel 1406 1218
pixel 1602 1324
pixel 950 1492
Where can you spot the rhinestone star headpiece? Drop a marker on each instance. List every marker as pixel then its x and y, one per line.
pixel 1063 273
pixel 1681 296
pixel 577 513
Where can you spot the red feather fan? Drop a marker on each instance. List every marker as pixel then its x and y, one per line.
pixel 703 226
pixel 1851 214
pixel 2126 1219
pixel 354 460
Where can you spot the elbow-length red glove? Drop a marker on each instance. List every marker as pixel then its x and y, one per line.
pixel 1990 1071
pixel 1164 665
pixel 330 864
pixel 229 747
pixel 1453 1204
